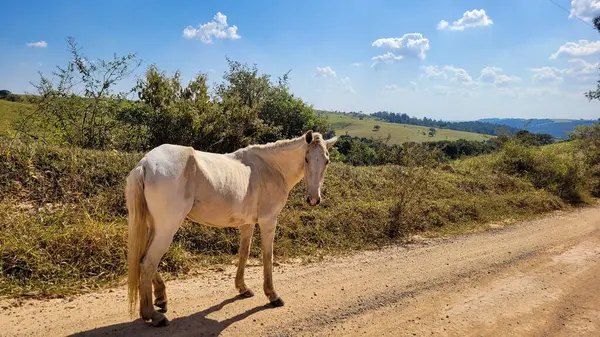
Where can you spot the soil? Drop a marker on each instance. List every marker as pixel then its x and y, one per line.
pixel 537 278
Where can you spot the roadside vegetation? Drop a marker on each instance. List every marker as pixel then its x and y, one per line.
pixel 63 166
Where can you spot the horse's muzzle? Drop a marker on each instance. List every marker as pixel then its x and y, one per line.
pixel 313 201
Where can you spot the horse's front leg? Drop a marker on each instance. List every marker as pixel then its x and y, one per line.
pixel 246 232
pixel 267 235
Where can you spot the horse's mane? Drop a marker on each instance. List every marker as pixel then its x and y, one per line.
pixel 284 143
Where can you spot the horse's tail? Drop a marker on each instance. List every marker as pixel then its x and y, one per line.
pixel 137 240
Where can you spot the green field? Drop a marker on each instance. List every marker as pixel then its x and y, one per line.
pixel 400 133
pixel 9 112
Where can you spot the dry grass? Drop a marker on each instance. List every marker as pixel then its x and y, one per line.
pixel 63 216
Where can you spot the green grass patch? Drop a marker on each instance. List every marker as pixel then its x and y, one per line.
pixel 400 133
pixel 10 112
pixel 63 216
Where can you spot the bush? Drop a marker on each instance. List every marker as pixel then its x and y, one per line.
pixel 88 120
pixel 561 173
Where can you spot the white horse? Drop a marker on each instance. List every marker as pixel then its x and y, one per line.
pixel 240 189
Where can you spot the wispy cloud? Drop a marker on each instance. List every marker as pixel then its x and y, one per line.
pixel 39 44
pixel 584 9
pixel 325 72
pixel 579 49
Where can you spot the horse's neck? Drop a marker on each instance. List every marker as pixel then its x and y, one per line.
pixel 288 161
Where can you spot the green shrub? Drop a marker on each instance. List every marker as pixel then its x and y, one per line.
pixel 564 174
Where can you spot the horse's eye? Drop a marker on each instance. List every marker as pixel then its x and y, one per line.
pixel 306 159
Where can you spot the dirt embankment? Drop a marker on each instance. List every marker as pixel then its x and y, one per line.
pixel 536 278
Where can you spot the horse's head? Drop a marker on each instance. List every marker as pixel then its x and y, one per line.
pixel 315 165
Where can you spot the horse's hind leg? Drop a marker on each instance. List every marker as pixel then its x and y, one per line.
pixel 246 232
pixel 167 219
pixel 160 293
pixel 158 247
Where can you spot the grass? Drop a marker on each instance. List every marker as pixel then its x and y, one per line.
pixel 400 133
pixel 63 216
pixel 9 112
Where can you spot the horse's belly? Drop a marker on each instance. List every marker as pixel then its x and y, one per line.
pixel 220 215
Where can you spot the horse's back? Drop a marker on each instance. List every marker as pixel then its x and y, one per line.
pixel 166 162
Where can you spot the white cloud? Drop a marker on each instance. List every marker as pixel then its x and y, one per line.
pixel 585 9
pixel 468 86
pixel 580 48
pixel 458 75
pixel 39 44
pixel 325 72
pixel 582 67
pixel 217 28
pixel 391 87
pixel 347 85
pixel 435 73
pixel 470 19
pixel 395 88
pixel 580 71
pixel 386 58
pixel 357 64
pixel 412 44
pixel 494 75
pixel 547 75
pixel 448 73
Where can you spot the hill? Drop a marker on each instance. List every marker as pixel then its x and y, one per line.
pixel 559 128
pixel 468 126
pixel 399 133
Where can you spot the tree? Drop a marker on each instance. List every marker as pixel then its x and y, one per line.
pixel 377 127
pixel 81 108
pixel 246 108
pixel 595 94
pixel 4 94
pixel 432 132
pixel 9 96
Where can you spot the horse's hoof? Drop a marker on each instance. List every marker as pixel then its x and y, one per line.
pixel 162 305
pixel 247 294
pixel 277 303
pixel 161 322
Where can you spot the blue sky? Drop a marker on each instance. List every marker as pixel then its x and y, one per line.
pixel 444 59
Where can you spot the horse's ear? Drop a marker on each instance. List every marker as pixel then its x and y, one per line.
pixel 309 136
pixel 329 143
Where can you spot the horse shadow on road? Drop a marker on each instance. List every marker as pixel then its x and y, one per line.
pixel 194 325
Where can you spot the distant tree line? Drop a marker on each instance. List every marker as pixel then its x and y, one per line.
pixel 471 126
pixel 369 151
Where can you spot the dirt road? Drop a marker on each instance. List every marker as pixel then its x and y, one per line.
pixel 539 278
